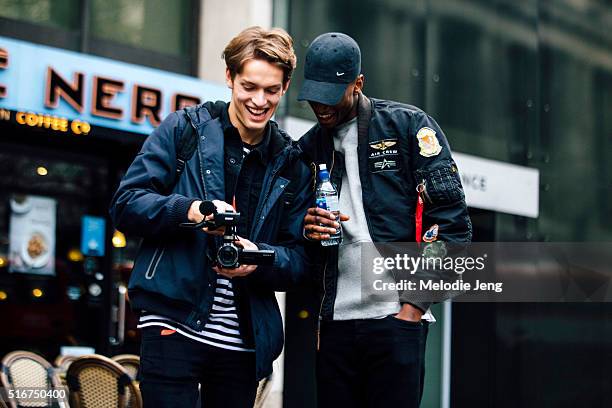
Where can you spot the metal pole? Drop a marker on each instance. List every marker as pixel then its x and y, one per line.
pixel 446 354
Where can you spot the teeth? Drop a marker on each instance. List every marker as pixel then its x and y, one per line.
pixel 327 116
pixel 256 112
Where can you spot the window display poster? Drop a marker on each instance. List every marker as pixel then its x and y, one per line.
pixel 92 235
pixel 32 234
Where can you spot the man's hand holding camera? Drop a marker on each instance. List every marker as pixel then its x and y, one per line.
pixel 242 270
pixel 236 256
pixel 196 216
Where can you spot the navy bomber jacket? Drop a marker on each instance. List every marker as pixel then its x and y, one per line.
pixel 172 275
pixel 399 147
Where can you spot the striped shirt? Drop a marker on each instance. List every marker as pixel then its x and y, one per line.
pixel 222 328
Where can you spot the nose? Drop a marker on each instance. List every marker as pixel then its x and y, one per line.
pixel 259 98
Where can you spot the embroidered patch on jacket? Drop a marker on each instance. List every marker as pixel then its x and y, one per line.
pixel 383 144
pixel 383 155
pixel 428 142
pixel 431 234
pixel 435 250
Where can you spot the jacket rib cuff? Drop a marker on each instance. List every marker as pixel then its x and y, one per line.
pixel 179 210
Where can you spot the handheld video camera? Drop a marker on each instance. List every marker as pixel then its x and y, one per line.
pixel 229 255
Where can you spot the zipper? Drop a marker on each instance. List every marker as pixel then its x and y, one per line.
pixel 365 204
pixel 154 263
pixel 422 188
pixel 324 270
pixel 199 157
pixel 198 150
pixel 268 193
pixel 321 308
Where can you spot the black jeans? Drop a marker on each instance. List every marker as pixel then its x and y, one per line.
pixel 171 367
pixel 371 363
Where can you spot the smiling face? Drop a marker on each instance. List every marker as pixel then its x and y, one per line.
pixel 256 92
pixel 331 116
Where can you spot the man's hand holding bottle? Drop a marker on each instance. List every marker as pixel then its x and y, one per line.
pixel 319 224
pixel 322 223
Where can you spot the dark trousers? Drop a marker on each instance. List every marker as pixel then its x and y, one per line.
pixel 371 363
pixel 171 367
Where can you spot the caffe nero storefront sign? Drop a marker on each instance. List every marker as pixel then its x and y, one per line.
pixel 68 92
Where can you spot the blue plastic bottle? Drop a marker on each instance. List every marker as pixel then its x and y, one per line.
pixel 327 199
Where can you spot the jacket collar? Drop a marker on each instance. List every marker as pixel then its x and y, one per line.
pixel 364 114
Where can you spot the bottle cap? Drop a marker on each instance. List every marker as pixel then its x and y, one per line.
pixel 322 166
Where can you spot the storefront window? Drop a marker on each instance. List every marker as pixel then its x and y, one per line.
pixel 390 34
pixel 53 13
pixel 150 24
pixel 44 275
pixel 575 116
pixel 153 33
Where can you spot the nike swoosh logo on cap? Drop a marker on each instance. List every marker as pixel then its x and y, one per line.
pixel 339 73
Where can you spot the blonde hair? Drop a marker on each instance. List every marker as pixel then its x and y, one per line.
pixel 274 46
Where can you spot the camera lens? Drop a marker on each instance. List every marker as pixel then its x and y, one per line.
pixel 227 256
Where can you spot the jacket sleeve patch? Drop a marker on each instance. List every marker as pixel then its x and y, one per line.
pixel 429 145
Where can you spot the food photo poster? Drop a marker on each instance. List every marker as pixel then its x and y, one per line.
pixel 32 235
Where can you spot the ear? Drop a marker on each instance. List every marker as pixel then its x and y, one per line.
pixel 228 79
pixel 359 84
pixel 286 87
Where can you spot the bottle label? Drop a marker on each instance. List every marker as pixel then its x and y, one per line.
pixel 332 203
pixel 322 203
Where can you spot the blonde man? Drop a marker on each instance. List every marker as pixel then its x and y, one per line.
pixel 202 323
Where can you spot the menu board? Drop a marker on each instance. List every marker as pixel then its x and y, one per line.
pixel 32 235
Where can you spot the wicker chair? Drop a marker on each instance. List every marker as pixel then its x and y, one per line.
pixel 61 364
pixel 99 382
pixel 130 363
pixel 21 370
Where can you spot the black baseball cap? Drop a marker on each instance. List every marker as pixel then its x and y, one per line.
pixel 333 61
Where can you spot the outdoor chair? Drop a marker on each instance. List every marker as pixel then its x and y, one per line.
pixel 23 370
pixel 61 364
pixel 99 382
pixel 129 362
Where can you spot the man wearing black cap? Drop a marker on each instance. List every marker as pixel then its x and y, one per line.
pixel 397 182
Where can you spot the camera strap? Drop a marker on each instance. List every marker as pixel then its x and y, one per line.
pixel 188 140
pixel 187 145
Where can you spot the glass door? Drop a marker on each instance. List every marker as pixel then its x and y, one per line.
pixel 61 271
